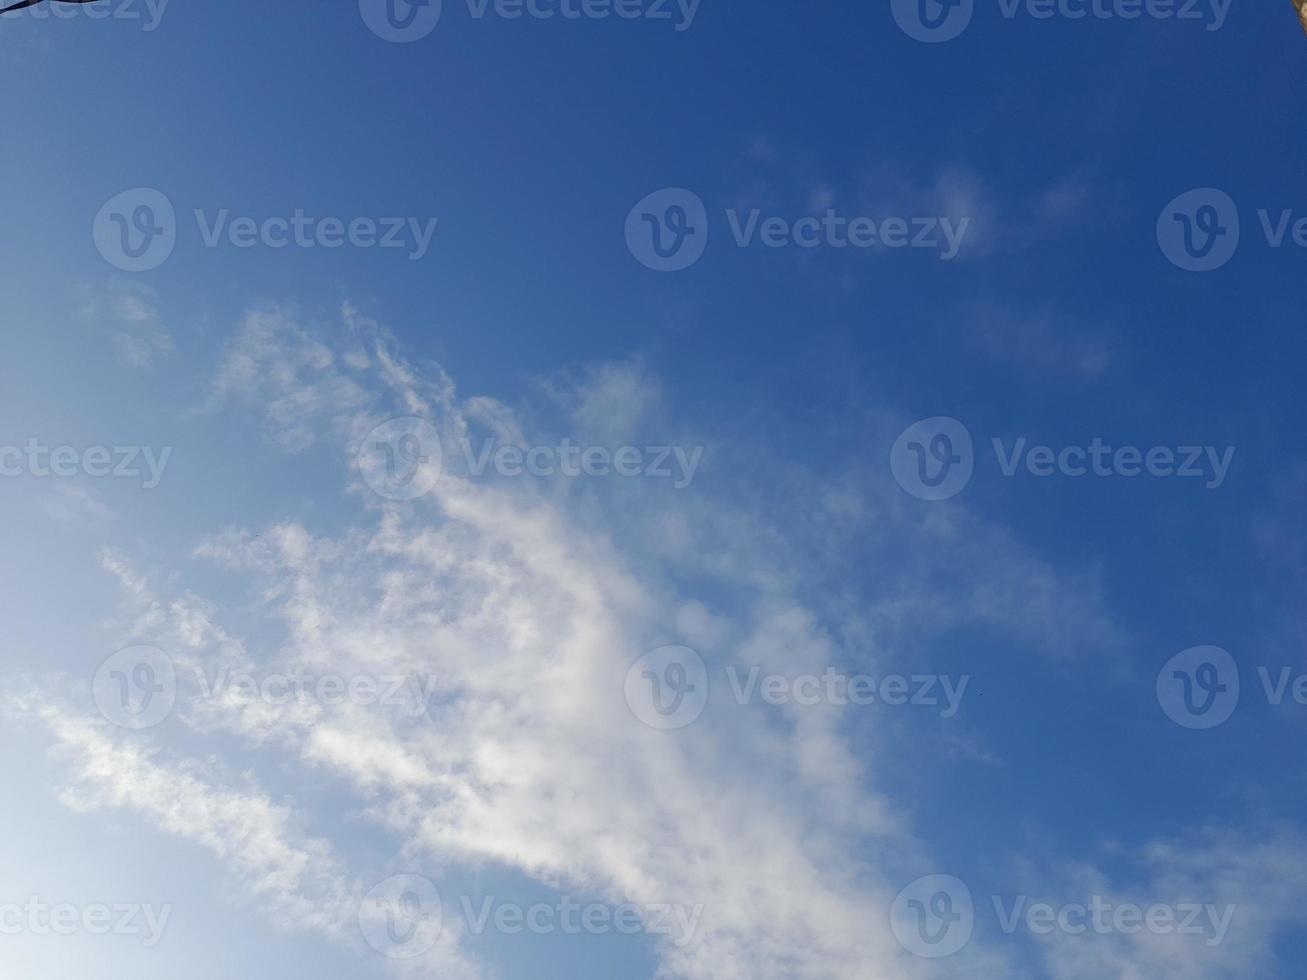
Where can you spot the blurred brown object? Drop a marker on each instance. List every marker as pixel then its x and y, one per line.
pixel 1301 7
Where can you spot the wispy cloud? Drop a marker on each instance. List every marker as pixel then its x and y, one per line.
pixel 1055 345
pixel 68 503
pixel 530 607
pixel 128 313
pixel 297 880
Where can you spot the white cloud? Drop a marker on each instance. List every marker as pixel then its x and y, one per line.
pixel 1255 883
pixel 297 880
pixel 1044 343
pixel 128 313
pixel 529 607
pixel 69 503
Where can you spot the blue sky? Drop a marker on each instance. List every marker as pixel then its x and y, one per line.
pixel 776 402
